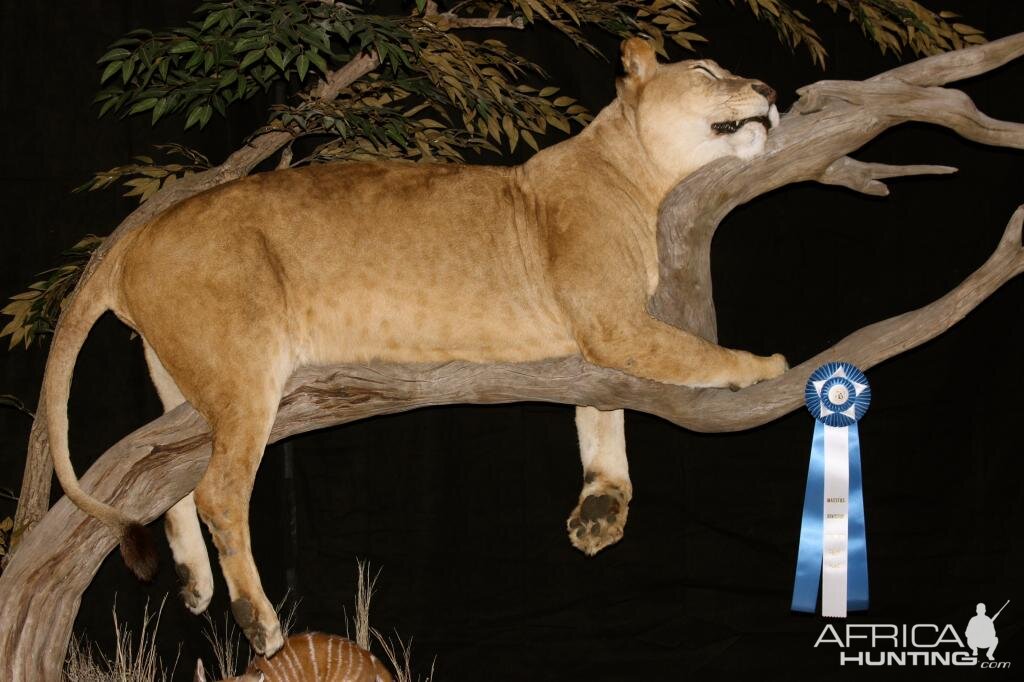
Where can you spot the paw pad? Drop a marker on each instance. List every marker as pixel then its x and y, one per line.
pixel 598 519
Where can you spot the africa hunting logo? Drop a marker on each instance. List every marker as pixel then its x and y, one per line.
pixel 923 644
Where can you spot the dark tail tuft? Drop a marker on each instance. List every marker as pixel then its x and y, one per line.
pixel 139 551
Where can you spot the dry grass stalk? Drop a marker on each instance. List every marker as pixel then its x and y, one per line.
pixel 364 594
pixel 226 643
pixel 399 655
pixel 133 660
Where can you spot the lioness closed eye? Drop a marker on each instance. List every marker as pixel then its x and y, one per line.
pixel 235 288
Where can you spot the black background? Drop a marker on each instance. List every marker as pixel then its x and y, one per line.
pixel 463 508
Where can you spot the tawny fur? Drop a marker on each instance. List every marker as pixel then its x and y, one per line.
pixel 312 657
pixel 235 288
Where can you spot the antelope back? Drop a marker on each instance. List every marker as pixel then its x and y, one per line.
pixel 316 657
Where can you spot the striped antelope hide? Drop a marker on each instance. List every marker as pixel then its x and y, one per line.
pixel 312 657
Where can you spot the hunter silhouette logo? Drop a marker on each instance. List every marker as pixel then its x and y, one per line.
pixel 981 632
pixel 921 644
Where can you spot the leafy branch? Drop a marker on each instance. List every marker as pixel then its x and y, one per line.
pixel 148 177
pixel 232 51
pixel 34 312
pixel 898 24
pixel 792 26
pixel 658 19
pixel 891 24
pixel 388 116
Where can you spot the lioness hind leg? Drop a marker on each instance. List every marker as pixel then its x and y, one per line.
pixel 181 523
pixel 240 431
pixel 600 516
pixel 191 560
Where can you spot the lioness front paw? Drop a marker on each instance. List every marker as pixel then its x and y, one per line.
pixel 758 368
pixel 775 366
pixel 599 518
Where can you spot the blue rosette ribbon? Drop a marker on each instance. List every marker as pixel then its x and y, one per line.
pixel 833 546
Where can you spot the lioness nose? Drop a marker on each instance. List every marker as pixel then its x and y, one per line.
pixel 764 90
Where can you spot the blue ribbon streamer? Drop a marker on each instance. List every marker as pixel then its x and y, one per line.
pixel 808 562
pixel 857 552
pixel 809 555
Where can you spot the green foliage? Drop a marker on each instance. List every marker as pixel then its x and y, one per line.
pixel 434 97
pixel 231 51
pixel 409 114
pixel 657 19
pixel 239 47
pixel 377 118
pixel 791 25
pixel 892 24
pixel 431 78
pixel 898 24
pixel 34 312
pixel 147 177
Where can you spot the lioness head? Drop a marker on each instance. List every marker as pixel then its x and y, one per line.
pixel 689 113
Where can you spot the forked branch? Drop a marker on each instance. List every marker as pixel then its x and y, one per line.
pixel 831 120
pixel 865 177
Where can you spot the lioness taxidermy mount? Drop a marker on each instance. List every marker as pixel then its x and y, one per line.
pixel 235 288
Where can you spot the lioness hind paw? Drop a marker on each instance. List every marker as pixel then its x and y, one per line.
pixel 265 638
pixel 196 590
pixel 195 601
pixel 598 521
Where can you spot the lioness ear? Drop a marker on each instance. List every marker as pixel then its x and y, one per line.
pixel 640 63
pixel 200 675
pixel 639 60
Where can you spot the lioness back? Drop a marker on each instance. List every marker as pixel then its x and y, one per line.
pixel 354 262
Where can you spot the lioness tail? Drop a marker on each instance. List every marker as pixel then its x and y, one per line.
pixel 92 300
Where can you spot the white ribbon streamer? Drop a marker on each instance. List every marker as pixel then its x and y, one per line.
pixel 836 523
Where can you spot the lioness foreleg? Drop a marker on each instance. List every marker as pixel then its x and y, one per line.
pixel 644 346
pixel 600 516
pixel 181 522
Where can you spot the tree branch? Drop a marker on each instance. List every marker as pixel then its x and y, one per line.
pixel 864 177
pixel 831 120
pixel 242 161
pixel 449 20
pixel 957 65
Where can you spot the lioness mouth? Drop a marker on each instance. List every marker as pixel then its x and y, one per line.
pixel 730 127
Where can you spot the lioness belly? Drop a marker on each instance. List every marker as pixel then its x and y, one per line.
pixel 360 262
